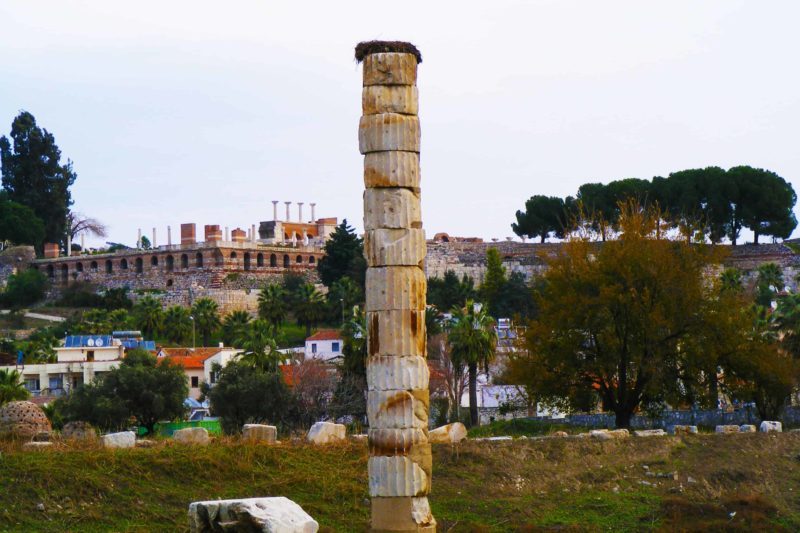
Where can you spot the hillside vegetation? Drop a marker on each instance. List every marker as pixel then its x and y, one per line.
pixel 706 482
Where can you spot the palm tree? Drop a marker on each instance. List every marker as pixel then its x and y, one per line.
pixel 206 316
pixel 786 322
pixel 11 387
pixel 177 324
pixel 731 279
pixel 472 339
pixel 343 295
pixel 149 316
pixel 272 306
pixel 260 350
pixel 309 307
pixel 233 324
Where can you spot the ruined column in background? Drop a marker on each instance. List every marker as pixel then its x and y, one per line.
pixel 397 373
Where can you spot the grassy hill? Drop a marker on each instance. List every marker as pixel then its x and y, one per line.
pixel 705 482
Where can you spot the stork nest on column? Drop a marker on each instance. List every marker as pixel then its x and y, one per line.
pixel 363 49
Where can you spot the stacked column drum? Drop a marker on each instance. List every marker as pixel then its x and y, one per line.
pixel 397 371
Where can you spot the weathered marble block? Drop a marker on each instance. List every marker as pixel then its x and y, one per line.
pixel 392 208
pixel 768 426
pixel 397 287
pixel 396 476
pixel 448 434
pixel 747 428
pixel 395 441
pixel 605 434
pixel 196 436
pixel 650 433
pixel 394 247
pixel 396 333
pixel 403 99
pixel 392 372
pixel 123 439
pixel 727 429
pixel 684 430
pixel 388 131
pixel 398 409
pixel 274 515
pixel 259 433
pixel 390 68
pixel 326 433
pixel 78 430
pixel 392 169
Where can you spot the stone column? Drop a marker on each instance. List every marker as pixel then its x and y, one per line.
pixel 83 243
pixel 313 216
pixel 169 236
pixel 274 209
pixel 397 373
pixel 227 235
pixel 139 238
pixel 300 212
pixel 69 245
pixel 253 233
pixel 287 210
pixel 154 244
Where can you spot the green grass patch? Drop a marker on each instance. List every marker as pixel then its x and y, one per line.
pixel 519 427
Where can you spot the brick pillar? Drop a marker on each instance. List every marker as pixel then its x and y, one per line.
pixel 238 235
pixel 51 250
pixel 188 234
pixel 400 462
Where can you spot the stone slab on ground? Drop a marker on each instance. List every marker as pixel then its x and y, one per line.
pixel 78 430
pixel 771 425
pixel 747 428
pixel 32 446
pixel 326 433
pixel 609 434
pixel 192 436
pixel 259 433
pixel 650 433
pixel 683 430
pixel 123 439
pixel 448 434
pixel 727 429
pixel 275 515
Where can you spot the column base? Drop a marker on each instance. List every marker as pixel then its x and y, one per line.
pixel 403 514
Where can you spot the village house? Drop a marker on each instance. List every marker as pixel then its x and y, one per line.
pixel 324 345
pixel 198 363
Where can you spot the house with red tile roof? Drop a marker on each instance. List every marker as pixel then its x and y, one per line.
pixel 197 364
pixel 324 345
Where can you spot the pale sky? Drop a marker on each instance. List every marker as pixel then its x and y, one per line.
pixel 196 111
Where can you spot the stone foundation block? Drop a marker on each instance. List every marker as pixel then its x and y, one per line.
pixel 650 433
pixel 403 99
pixel 198 436
pixel 684 430
pixel 768 426
pixel 274 515
pixel 34 446
pixel 727 429
pixel 396 476
pixel 390 68
pixel 326 433
pixel 123 439
pixel 392 208
pixel 395 288
pixel 392 372
pixel 605 434
pixel 747 428
pixel 402 514
pixel 398 409
pixel 388 131
pixel 259 433
pixel 396 333
pixel 392 169
pixel 448 434
pixel 394 247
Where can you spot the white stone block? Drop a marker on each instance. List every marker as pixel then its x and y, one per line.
pixel 606 434
pixel 396 476
pixel 123 439
pixel 392 169
pixel 398 409
pixel 391 372
pixel 392 288
pixel 392 208
pixel 388 131
pixel 448 434
pixel 403 99
pixel 33 446
pixel 747 428
pixel 197 436
pixel 394 247
pixel 390 68
pixel 650 433
pixel 768 426
pixel 326 433
pixel 259 433
pixel 274 515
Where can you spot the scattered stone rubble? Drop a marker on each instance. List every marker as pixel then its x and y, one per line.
pixel 448 434
pixel 259 433
pixel 683 430
pixel 747 428
pixel 727 429
pixel 650 433
pixel 326 433
pixel 768 426
pixel 82 431
pixel 196 436
pixel 275 515
pixel 123 439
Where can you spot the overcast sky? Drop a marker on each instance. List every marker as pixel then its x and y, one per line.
pixel 193 111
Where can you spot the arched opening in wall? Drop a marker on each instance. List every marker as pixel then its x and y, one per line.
pixel 312 260
pixel 109 266
pixel 79 267
pixel 273 260
pixel 170 263
pixel 123 265
pixel 139 265
pixel 198 260
pixel 51 273
pixel 286 261
pixel 184 261
pixel 298 259
pixel 234 256
pixel 247 260
pixel 260 260
pixel 219 260
pixel 169 283
pixel 64 272
pixel 154 261
pixel 93 266
pixel 286 237
pixel 74 275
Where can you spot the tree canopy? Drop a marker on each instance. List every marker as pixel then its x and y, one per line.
pixel 344 256
pixel 19 224
pixel 34 176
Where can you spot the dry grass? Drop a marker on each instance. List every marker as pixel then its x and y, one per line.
pixel 693 483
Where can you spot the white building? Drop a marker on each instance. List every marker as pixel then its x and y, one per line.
pixel 325 345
